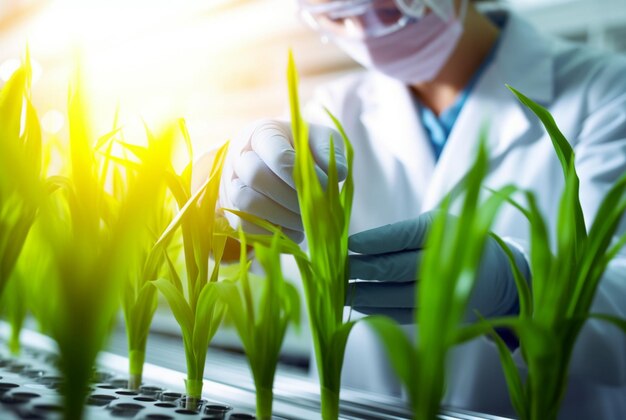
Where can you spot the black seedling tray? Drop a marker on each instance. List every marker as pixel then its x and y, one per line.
pixel 29 389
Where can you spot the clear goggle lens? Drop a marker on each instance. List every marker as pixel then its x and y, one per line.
pixel 366 18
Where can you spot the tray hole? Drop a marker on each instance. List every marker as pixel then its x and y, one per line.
pixel 7 385
pixel 170 396
pixel 11 400
pixel 165 405
pixel 128 406
pixel 100 399
pixel 49 407
pixel 186 412
pixel 26 395
pixel 151 391
pixel 144 399
pixel 216 408
pixel 126 393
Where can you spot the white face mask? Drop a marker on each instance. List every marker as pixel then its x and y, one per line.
pixel 413 54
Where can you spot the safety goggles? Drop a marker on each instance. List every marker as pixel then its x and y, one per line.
pixel 367 18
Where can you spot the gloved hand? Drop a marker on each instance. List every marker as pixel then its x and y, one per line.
pixel 391 255
pixel 258 174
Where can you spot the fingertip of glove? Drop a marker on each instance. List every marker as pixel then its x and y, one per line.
pixel 296 236
pixel 356 243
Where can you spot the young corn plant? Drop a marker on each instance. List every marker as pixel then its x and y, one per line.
pixel 139 295
pixel 140 298
pixel 196 309
pixel 261 323
pixel 449 267
pixel 92 239
pixel 326 218
pixel 21 180
pixel 564 283
pixel 324 270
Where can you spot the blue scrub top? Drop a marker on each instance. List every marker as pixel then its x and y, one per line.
pixel 439 128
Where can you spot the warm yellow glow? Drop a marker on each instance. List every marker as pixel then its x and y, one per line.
pixel 52 121
pixel 158 60
pixel 8 67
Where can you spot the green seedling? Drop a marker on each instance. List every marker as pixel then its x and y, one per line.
pixel 324 270
pixel 447 274
pixel 197 310
pixel 326 218
pixel 564 283
pixel 21 180
pixel 262 322
pixel 92 238
pixel 139 295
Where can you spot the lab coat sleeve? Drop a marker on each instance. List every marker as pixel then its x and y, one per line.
pixel 600 352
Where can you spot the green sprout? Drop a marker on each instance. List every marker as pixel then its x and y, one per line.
pixel 326 218
pixel 447 275
pixel 139 295
pixel 564 283
pixel 21 180
pixel 261 323
pixel 92 238
pixel 197 311
pixel 324 270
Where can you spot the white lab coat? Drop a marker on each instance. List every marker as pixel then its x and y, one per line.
pixel 397 178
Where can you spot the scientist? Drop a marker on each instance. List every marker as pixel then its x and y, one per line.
pixel 435 72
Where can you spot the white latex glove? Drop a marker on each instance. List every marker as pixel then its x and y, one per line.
pixel 258 174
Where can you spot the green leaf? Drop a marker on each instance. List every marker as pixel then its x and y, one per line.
pixel 183 128
pixel 143 311
pixel 618 322
pixel 562 147
pixel 174 277
pixel 176 222
pixel 514 381
pixel 523 290
pixel 285 243
pixel 207 319
pixel 179 306
pixel 237 312
pixel 106 139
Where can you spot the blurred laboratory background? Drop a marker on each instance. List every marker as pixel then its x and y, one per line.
pixel 219 64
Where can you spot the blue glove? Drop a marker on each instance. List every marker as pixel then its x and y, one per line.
pixel 389 260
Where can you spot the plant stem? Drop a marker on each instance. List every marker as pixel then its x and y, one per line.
pixel 264 400
pixel 194 387
pixel 75 390
pixel 330 404
pixel 73 409
pixel 14 340
pixel 136 360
